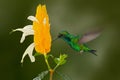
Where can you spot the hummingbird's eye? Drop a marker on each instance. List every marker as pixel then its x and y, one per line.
pixel 60 35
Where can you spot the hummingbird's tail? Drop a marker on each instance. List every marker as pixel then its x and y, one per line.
pixel 93 52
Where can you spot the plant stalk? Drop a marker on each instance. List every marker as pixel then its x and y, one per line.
pixel 51 74
pixel 46 60
pixel 49 68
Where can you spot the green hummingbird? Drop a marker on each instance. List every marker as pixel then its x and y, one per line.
pixel 78 43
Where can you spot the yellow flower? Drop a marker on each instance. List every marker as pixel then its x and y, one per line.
pixel 41 27
pixel 41 32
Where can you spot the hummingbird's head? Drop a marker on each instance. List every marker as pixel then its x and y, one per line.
pixel 63 34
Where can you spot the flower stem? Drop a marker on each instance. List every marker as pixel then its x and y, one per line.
pixel 51 74
pixel 49 68
pixel 46 60
pixel 56 67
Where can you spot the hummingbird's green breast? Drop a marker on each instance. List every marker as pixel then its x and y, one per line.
pixel 72 41
pixel 75 46
pixel 78 47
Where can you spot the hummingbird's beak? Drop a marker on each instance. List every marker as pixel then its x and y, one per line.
pixel 59 36
pixel 55 39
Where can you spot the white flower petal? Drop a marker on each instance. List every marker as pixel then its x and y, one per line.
pixel 29 51
pixel 32 18
pixel 27 30
pixel 28 27
pixel 22 38
pixel 19 29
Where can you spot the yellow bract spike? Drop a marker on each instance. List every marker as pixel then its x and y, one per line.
pixel 41 27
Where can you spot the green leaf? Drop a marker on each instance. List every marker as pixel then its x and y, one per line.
pixel 57 60
pixel 61 60
pixel 37 54
pixel 41 75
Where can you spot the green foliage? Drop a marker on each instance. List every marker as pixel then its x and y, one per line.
pixel 49 55
pixel 37 54
pixel 61 60
pixel 41 75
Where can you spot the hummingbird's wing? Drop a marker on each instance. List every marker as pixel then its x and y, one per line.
pixel 89 36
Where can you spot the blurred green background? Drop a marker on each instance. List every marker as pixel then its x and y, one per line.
pixel 75 16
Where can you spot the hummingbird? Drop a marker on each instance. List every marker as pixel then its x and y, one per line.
pixel 78 43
